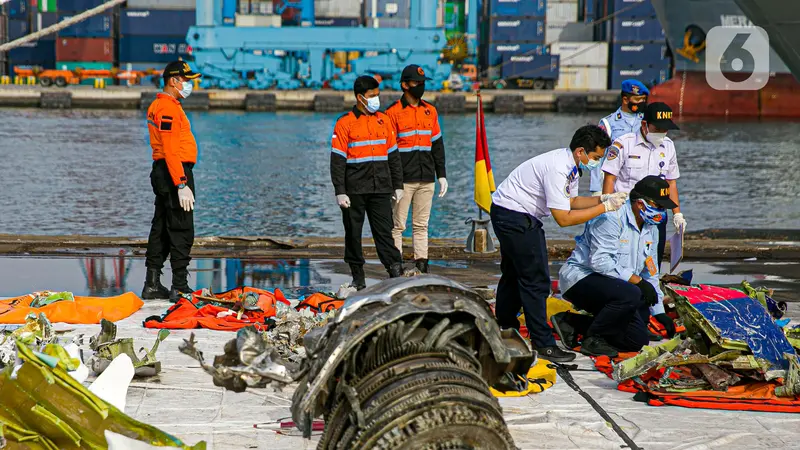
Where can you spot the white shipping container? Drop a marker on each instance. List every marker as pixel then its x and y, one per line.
pixel 162 4
pixel 337 8
pixel 552 31
pixel 581 53
pixel 561 12
pixel 582 78
pixel 249 20
pixel 265 8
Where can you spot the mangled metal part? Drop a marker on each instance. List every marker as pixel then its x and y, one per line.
pixel 285 334
pixel 791 385
pixel 719 378
pixel 248 361
pixel 44 298
pixel 648 358
pixel 35 333
pixel 764 296
pixel 106 347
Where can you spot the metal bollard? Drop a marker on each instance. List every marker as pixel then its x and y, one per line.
pixel 5 79
pixel 31 80
pixel 99 83
pixel 196 83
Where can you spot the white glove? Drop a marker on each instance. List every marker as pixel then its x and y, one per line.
pixel 442 187
pixel 679 222
pixel 343 200
pixel 604 197
pixel 186 198
pixel 596 193
pixel 614 201
pixel 398 195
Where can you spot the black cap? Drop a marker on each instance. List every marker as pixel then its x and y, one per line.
pixel 660 115
pixel 413 72
pixel 656 189
pixel 180 69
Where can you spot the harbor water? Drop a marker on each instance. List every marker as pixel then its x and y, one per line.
pixel 87 172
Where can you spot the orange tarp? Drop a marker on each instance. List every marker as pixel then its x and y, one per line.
pixel 84 310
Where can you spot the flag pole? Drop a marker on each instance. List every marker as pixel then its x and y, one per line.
pixel 478 118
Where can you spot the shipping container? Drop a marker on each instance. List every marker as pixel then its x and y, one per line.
pixel 496 52
pixel 161 49
pixel 18 9
pixel 582 78
pixel 141 66
pixel 633 8
pixel 581 53
pixel 553 30
pixel 454 17
pixel 643 54
pixel 228 13
pixel 561 12
pixel 85 49
pixel 256 7
pixel 397 9
pixel 590 8
pixel 42 21
pixel 161 4
pixel 337 8
pixel 388 22
pixel 77 5
pixel 17 28
pixel 647 75
pixel 153 22
pixel 337 22
pixel 99 26
pixel 530 67
pixel 638 29
pixel 516 29
pixel 250 20
pixel 37 53
pixel 529 8
pixel 47 6
pixel 87 65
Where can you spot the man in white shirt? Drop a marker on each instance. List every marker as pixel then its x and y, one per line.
pixel 543 186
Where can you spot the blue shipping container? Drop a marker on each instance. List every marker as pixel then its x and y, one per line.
pixel 638 54
pixel 517 29
pixel 37 53
pixel 496 52
pixel 647 75
pixel 348 22
pixel 98 26
pixel 161 49
pixel 42 21
pixel 77 5
pixel 530 8
pixel 17 29
pixel 530 67
pixel 155 22
pixel 18 9
pixel 229 12
pixel 645 29
pixel 633 8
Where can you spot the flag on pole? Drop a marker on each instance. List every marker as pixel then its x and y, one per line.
pixel 484 180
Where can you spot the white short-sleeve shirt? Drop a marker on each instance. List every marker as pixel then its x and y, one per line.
pixel 543 182
pixel 631 157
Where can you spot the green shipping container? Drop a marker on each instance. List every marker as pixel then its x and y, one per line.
pixel 72 65
pixel 47 5
pixel 454 17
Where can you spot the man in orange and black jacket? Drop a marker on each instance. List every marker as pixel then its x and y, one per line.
pixel 367 175
pixel 174 157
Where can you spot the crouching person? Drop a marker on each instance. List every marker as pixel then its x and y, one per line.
pixel 612 273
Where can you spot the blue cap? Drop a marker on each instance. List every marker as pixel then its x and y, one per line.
pixel 634 87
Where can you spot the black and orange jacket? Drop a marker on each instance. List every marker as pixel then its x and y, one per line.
pixel 171 135
pixel 364 157
pixel 419 140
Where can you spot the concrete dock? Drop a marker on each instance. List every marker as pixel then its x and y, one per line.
pixel 137 97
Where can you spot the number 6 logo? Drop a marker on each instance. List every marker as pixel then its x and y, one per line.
pixel 737 58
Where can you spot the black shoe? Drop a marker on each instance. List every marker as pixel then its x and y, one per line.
pixel 176 294
pixel 555 354
pixel 421 265
pixel 597 346
pixel 395 270
pixel 564 330
pixel 153 289
pixel 180 285
pixel 654 337
pixel 359 280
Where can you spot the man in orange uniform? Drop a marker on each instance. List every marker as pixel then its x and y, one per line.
pixel 174 156
pixel 366 170
pixel 421 147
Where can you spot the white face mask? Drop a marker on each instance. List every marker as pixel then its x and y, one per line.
pixel 656 138
pixel 186 89
pixel 372 104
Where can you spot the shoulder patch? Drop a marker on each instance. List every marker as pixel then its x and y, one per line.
pixel 617 144
pixel 612 153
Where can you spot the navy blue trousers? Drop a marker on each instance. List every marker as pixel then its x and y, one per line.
pixel 525 280
pixel 662 241
pixel 620 312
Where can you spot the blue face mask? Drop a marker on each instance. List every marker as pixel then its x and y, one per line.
pixel 591 165
pixel 651 215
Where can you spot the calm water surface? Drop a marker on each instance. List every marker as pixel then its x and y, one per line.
pixel 87 172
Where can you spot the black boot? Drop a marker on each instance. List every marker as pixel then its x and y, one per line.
pixel 555 354
pixel 359 281
pixel 421 265
pixel 395 270
pixel 597 346
pixel 153 289
pixel 180 285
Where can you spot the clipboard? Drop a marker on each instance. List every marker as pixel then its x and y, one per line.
pixel 675 250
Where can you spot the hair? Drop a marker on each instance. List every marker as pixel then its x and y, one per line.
pixel 363 84
pixel 590 137
pixel 635 195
